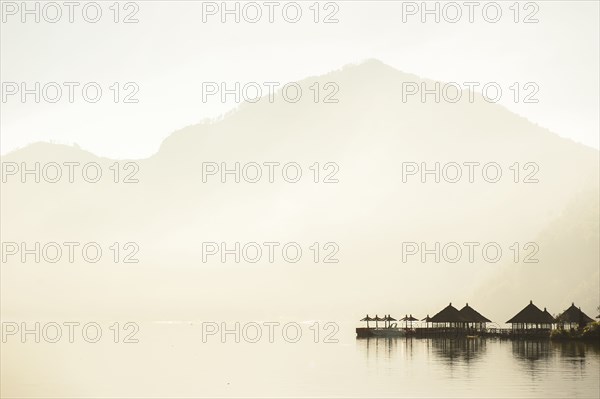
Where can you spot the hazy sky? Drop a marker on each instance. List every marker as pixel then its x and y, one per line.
pixel 170 52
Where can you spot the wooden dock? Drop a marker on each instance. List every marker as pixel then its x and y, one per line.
pixel 453 332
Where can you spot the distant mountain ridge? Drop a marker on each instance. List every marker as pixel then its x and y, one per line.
pixel 368 134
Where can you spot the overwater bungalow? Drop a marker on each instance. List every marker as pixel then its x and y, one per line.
pixel 447 322
pixel 532 318
pixel 449 317
pixel 475 319
pixel 572 318
pixel 548 315
pixel 427 320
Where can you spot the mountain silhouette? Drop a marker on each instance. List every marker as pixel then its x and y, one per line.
pixel 368 133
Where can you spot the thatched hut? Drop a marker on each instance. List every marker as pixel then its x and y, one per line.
pixel 531 317
pixel 573 317
pixel 475 319
pixel 449 317
pixel 427 320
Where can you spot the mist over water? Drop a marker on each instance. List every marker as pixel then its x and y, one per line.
pixel 202 199
pixel 172 361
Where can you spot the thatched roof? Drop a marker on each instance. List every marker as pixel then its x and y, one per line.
pixel 549 316
pixel 574 315
pixel 448 315
pixel 532 314
pixel 409 318
pixel 472 315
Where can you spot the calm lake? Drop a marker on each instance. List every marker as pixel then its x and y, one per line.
pixel 170 360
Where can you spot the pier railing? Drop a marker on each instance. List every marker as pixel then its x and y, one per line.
pixel 481 332
pixel 457 332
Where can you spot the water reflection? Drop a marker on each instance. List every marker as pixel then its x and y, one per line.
pixel 457 350
pixel 379 347
pixel 449 350
pixel 575 355
pixel 531 350
pixel 574 352
pixel 571 360
pixel 575 349
pixel 527 352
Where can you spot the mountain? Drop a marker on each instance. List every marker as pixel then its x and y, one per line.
pixel 369 133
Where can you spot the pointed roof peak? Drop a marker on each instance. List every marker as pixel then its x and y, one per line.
pixel 532 314
pixel 472 315
pixel 574 315
pixel 448 314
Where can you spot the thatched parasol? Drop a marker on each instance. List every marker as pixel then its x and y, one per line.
pixel 388 318
pixel 377 319
pixel 367 319
pixel 408 318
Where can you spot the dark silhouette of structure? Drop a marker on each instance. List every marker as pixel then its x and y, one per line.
pixel 450 322
pixel 449 317
pixel 406 319
pixel 573 317
pixel 532 319
pixel 476 320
